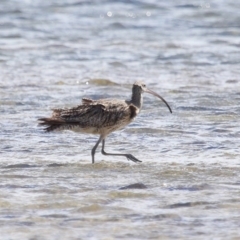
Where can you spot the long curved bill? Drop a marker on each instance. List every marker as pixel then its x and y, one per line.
pixel 155 94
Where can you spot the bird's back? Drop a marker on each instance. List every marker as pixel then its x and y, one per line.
pixel 92 116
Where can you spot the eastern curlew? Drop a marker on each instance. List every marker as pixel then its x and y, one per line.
pixel 101 117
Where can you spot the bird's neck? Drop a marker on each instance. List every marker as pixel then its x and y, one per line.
pixel 137 100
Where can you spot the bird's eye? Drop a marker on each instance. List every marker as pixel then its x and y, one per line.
pixel 144 85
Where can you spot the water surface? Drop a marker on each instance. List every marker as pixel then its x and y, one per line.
pixel 54 53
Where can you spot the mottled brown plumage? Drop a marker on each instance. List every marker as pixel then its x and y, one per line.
pixel 101 117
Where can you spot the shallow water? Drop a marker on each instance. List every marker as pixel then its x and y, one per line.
pixel 52 54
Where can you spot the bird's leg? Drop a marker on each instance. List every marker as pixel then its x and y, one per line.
pixel 128 156
pixel 95 147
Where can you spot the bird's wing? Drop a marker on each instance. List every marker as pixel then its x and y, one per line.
pixel 87 101
pixel 96 114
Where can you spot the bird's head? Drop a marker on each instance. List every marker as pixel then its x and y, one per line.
pixel 140 87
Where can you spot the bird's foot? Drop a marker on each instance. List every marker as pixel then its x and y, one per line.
pixel 132 158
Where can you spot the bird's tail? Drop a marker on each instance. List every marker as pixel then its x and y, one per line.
pixel 50 123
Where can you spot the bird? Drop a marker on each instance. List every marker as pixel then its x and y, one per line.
pixel 100 117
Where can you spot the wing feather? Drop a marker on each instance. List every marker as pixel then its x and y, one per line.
pixel 93 113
